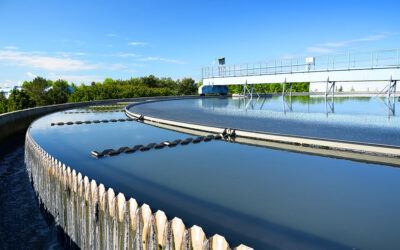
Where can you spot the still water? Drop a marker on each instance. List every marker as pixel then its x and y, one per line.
pixel 363 119
pixel 261 197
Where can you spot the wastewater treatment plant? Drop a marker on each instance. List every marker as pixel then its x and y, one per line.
pixel 199 125
pixel 250 170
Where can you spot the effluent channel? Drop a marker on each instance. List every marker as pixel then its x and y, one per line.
pixel 265 197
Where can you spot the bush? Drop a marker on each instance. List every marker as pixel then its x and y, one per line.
pixel 44 92
pixel 270 88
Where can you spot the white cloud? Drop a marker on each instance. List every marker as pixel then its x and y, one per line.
pixel 146 59
pixel 130 71
pixel 11 47
pixel 75 78
pixel 362 39
pixel 122 55
pixel 111 35
pixel 115 66
pixel 138 43
pixel 28 59
pixel 67 54
pixel 127 55
pixel 10 83
pixel 319 50
pixel 330 47
pixel 136 65
pixel 31 75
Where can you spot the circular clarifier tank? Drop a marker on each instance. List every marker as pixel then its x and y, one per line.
pixel 259 196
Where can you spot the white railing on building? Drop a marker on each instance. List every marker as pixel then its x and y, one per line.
pixel 347 61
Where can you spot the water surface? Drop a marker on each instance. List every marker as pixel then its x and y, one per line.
pixel 264 198
pixel 360 119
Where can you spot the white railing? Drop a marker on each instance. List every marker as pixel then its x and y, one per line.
pixel 346 61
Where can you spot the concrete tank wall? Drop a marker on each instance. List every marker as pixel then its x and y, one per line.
pixel 13 122
pixel 94 217
pixel 90 215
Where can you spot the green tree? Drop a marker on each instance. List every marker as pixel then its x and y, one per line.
pixel 187 87
pixel 37 90
pixel 59 92
pixel 19 99
pixel 108 81
pixel 149 81
pixel 167 83
pixel 3 103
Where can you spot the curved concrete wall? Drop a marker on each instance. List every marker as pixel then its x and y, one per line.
pixel 91 216
pixel 13 122
pixel 364 148
pixel 94 217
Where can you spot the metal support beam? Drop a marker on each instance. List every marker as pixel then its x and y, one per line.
pixel 391 88
pixel 327 84
pixel 330 88
pixel 284 86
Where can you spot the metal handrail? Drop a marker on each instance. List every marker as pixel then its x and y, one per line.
pixel 344 61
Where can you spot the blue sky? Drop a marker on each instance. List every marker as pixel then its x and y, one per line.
pixel 84 41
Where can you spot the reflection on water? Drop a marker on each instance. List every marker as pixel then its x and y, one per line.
pixel 386 106
pixel 310 104
pixel 264 198
pixel 363 119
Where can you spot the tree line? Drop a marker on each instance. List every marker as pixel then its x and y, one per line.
pixel 270 88
pixel 41 91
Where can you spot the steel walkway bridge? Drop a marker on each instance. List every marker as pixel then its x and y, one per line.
pixel 360 67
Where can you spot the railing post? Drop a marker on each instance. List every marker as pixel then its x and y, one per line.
pixel 326 89
pixel 327 64
pixel 348 64
pixel 372 60
pixel 291 63
pixel 283 88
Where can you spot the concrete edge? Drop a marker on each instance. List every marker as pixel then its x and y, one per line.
pixel 17 121
pixel 137 222
pixel 331 153
pixel 365 148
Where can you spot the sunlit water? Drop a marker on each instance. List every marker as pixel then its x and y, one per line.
pixel 364 119
pixel 264 198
